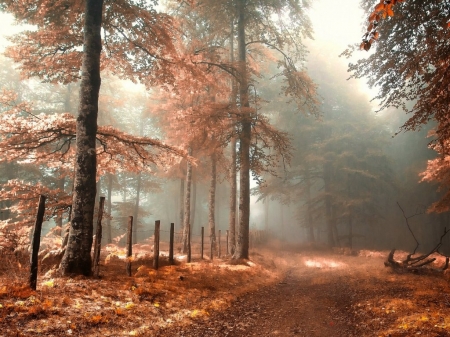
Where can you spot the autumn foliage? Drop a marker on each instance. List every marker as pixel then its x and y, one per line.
pixel 381 11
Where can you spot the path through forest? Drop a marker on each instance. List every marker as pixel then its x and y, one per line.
pixel 334 295
pixel 281 292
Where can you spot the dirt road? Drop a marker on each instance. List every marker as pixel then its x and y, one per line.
pixel 331 296
pixel 310 301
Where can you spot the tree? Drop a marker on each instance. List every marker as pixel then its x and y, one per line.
pixel 410 67
pixel 410 64
pixel 255 27
pixel 51 53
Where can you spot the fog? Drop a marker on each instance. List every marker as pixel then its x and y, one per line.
pixel 345 185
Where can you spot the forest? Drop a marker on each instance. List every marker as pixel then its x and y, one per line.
pixel 169 166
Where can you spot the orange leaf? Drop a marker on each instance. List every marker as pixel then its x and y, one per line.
pixel 389 11
pixel 380 7
pixel 372 17
pixel 448 24
pixel 370 27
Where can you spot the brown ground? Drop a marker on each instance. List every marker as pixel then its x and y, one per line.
pixel 281 293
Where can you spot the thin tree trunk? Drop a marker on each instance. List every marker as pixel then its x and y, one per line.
pixel 77 257
pixel 193 201
pixel 136 208
pixel 233 177
pixel 182 180
pixel 212 203
pixel 328 203
pixel 109 209
pixel 187 204
pixel 309 206
pixel 98 186
pixel 242 241
pixel 266 214
pixel 233 193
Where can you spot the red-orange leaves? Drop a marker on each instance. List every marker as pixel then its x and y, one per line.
pixel 381 10
pixel 381 6
pixel 389 11
pixel 365 45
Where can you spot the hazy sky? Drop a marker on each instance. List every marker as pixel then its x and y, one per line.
pixel 336 25
pixel 334 21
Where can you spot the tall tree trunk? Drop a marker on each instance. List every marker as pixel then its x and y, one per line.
pixel 77 257
pixel 242 240
pixel 328 202
pixel 233 193
pixel 136 208
pixel 182 180
pixel 98 187
pixel 109 209
pixel 309 206
pixel 266 214
pixel 212 202
pixel 233 177
pixel 193 201
pixel 187 205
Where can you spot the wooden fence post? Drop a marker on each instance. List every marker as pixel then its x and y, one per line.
pixel 36 241
pixel 189 244
pixel 98 238
pixel 129 244
pixel 220 247
pixel 172 232
pixel 156 245
pixel 203 239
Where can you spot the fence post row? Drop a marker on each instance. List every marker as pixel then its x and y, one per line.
pixel 129 244
pixel 98 238
pixel 156 245
pixel 36 241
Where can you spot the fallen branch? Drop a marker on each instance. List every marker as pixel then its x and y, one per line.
pixel 411 263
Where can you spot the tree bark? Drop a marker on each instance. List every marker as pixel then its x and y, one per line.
pixel 182 201
pixel 233 175
pixel 77 257
pixel 242 240
pixel 109 209
pixel 187 204
pixel 212 202
pixel 233 191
